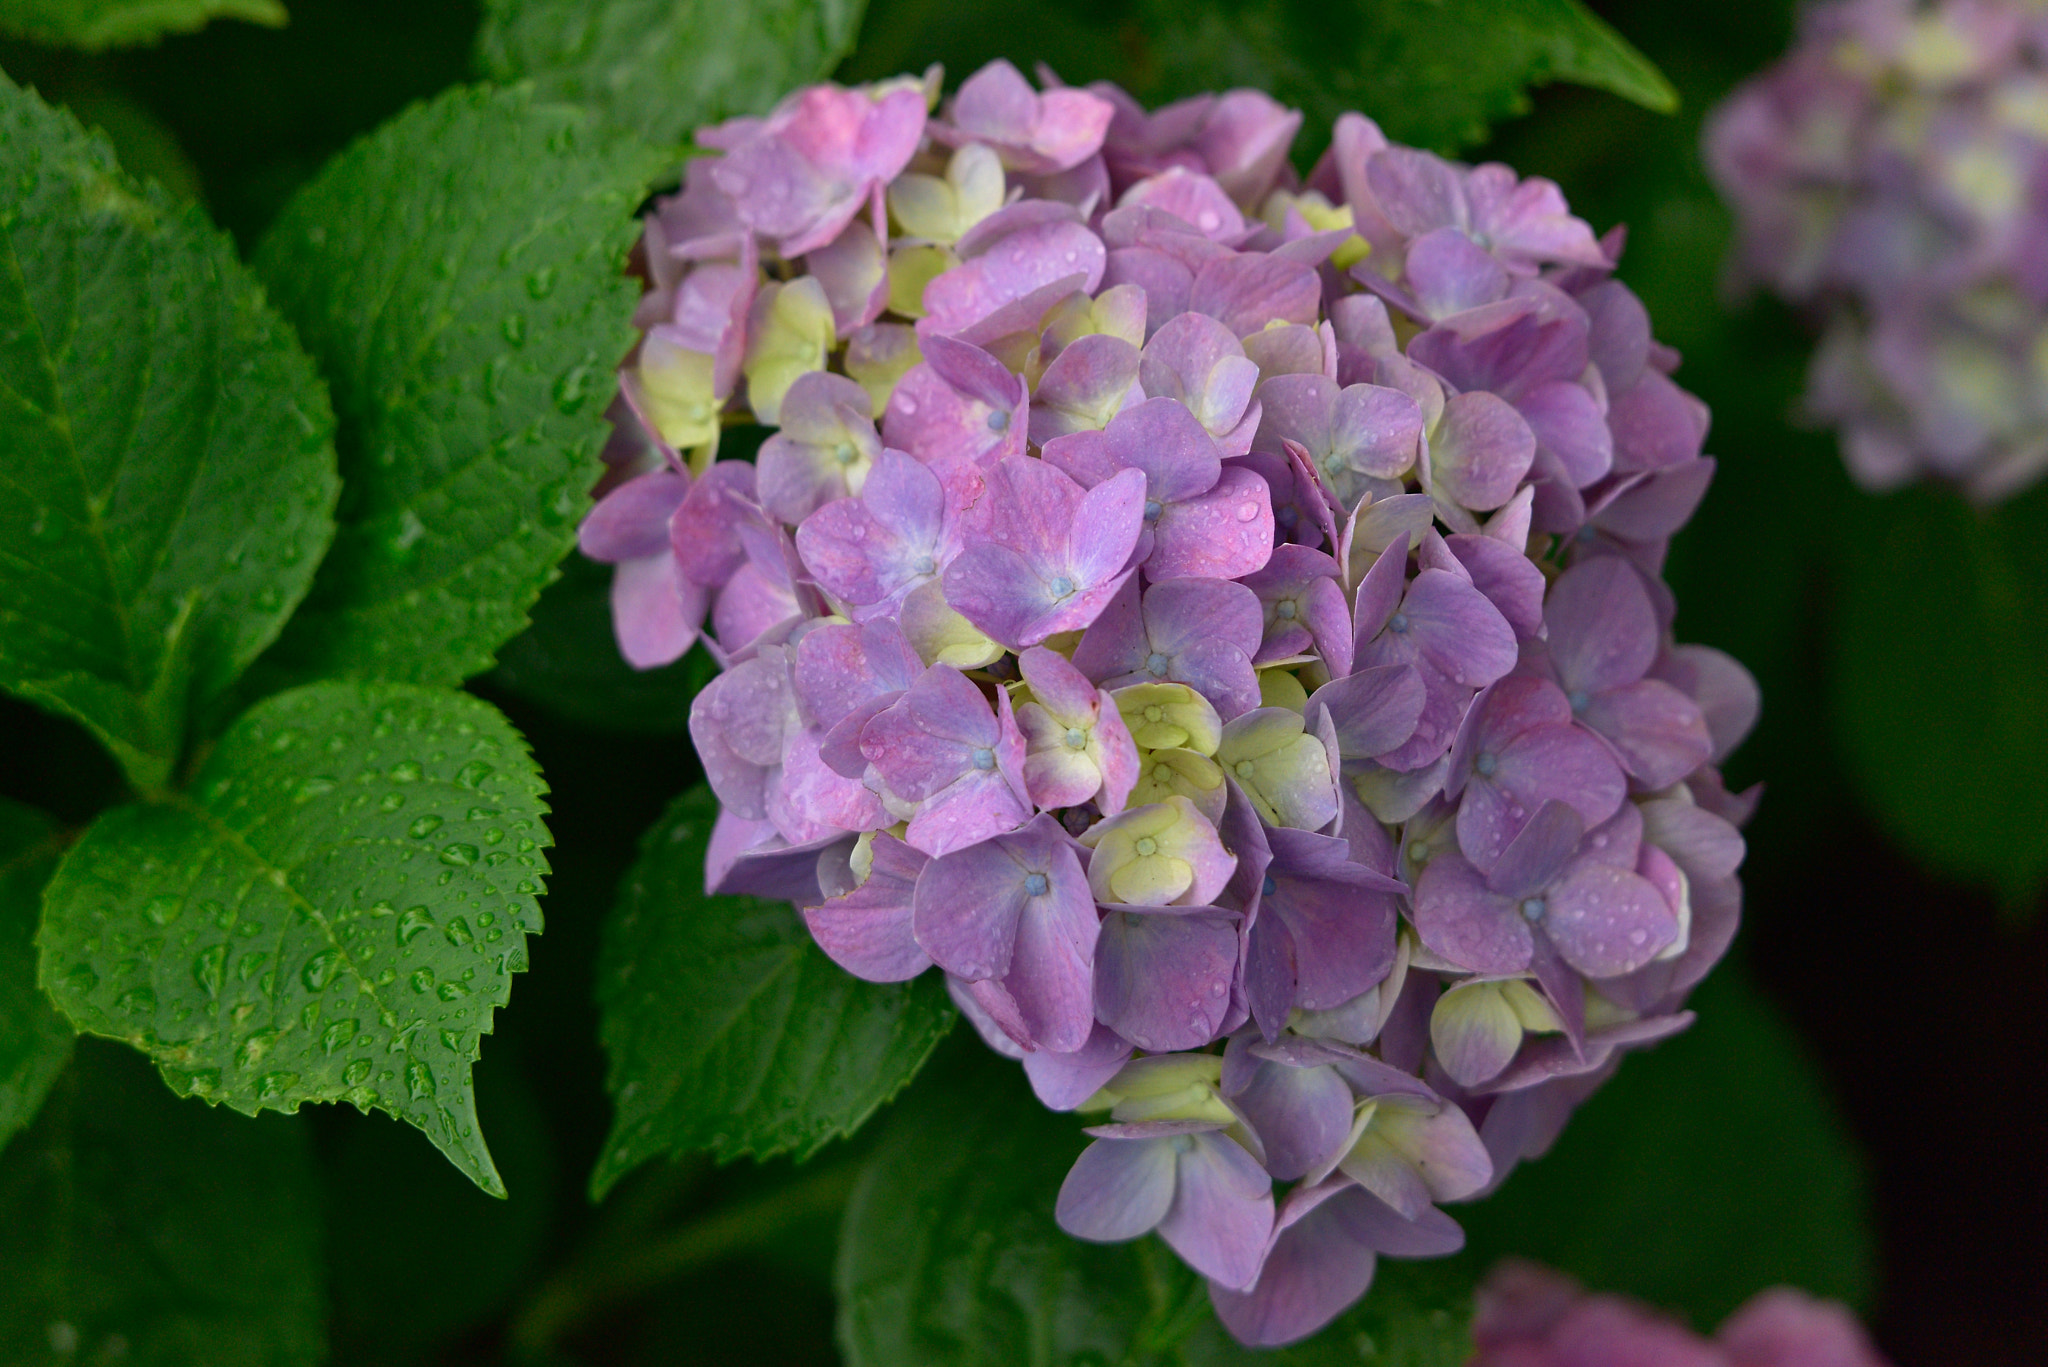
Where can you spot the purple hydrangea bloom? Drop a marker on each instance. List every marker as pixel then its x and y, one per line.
pixel 1888 177
pixel 1214 619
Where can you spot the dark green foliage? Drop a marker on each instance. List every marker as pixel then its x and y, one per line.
pixel 662 67
pixel 331 916
pixel 34 1040
pixel 94 24
pixel 139 1229
pixel 171 481
pixel 728 1029
pixel 1941 681
pixel 458 275
pixel 1435 73
pixel 569 662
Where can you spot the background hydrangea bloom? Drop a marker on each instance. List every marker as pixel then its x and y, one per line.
pixel 1212 616
pixel 1529 1316
pixel 1890 174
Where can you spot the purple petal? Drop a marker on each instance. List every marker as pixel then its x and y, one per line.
pixel 1009 269
pixel 1317 1267
pixel 1301 1115
pixel 1226 533
pixel 1247 292
pixel 1084 387
pixel 1374 710
pixel 1118 1189
pixel 1222 1212
pixel 1510 580
pixel 1568 423
pixel 868 931
pixel 1606 921
pixel 1603 631
pixel 1462 919
pixel 1064 1081
pixel 1162 979
pixel 656 613
pixel 631 522
pixel 1480 451
pixel 1659 733
pixel 1537 852
pixel 1450 273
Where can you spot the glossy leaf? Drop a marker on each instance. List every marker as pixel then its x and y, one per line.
pixel 662 67
pixel 170 468
pixel 139 1229
pixel 728 1029
pixel 1434 73
pixel 459 276
pixel 332 915
pixel 35 1041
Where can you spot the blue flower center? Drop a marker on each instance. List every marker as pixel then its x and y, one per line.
pixel 1285 609
pixel 1269 887
pixel 1533 908
pixel 1076 738
pixel 1156 664
pixel 999 421
pixel 1062 586
pixel 844 453
pixel 1182 1143
pixel 1286 517
pixel 925 565
pixel 1153 508
pixel 1578 698
pixel 1399 623
pixel 1146 846
pixel 984 758
pixel 1486 763
pixel 1036 884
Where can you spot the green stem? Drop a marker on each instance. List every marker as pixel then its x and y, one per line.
pixel 588 1287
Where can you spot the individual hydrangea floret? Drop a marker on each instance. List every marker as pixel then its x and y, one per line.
pixel 1889 178
pixel 1210 616
pixel 1529 1316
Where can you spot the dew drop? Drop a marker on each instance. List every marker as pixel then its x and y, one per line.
pixel 319 970
pixel 462 856
pixel 424 827
pixel 163 910
pixel 415 920
pixel 210 968
pixel 473 773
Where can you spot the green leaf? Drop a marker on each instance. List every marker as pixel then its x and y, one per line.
pixel 728 1029
pixel 1710 1168
pixel 142 1230
pixel 459 275
pixel 95 24
pixel 1940 679
pixel 1434 73
pixel 332 917
pixel 568 661
pixel 661 67
pixel 35 1042
pixel 949 1253
pixel 170 478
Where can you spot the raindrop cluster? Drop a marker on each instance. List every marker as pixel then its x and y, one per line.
pixel 1213 617
pixel 1890 177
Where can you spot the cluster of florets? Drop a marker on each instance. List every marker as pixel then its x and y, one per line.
pixel 1529 1316
pixel 1213 618
pixel 1891 175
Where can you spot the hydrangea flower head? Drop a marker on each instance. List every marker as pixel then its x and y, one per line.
pixel 1210 616
pixel 1890 177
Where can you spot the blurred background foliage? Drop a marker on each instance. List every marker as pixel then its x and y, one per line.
pixel 1839 1118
